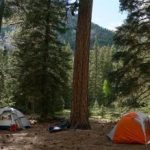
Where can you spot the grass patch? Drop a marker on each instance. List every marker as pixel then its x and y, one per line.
pixel 108 113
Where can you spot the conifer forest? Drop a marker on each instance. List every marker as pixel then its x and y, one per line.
pixel 62 70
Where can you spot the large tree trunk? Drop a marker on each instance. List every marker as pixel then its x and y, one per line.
pixel 79 109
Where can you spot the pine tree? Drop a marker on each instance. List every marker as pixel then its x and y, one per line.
pixel 7 82
pixel 94 74
pixel 100 67
pixel 1 74
pixel 132 77
pixel 1 12
pixel 42 62
pixel 68 90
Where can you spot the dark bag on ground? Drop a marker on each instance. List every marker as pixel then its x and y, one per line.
pixel 63 125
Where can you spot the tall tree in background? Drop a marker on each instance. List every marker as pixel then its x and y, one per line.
pixel 7 82
pixel 68 90
pixel 100 67
pixel 1 12
pixel 93 75
pixel 42 62
pixel 2 75
pixel 132 78
pixel 79 108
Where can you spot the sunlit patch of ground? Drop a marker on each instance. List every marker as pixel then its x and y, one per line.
pixel 38 138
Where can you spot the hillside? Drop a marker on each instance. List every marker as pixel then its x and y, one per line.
pixel 103 36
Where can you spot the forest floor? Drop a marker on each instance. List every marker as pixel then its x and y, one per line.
pixel 38 138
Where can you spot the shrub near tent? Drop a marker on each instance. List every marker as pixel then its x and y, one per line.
pixel 12 119
pixel 132 128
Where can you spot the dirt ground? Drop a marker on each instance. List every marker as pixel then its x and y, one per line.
pixel 38 138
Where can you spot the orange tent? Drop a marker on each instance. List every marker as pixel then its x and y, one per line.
pixel 133 127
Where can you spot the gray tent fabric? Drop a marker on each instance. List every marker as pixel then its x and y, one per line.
pixel 10 116
pixel 111 133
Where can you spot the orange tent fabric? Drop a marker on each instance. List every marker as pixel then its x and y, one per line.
pixel 131 128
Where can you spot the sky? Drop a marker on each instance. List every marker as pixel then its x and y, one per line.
pixel 106 14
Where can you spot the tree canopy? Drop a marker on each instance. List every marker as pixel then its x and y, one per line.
pixel 133 40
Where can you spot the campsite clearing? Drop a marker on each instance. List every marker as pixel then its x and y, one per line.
pixel 38 138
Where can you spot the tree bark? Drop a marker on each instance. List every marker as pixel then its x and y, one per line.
pixel 79 110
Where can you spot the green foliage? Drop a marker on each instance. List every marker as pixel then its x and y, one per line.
pixel 6 80
pixel 132 102
pixel 106 88
pixel 131 78
pixel 1 12
pixel 100 66
pixel 104 36
pixel 6 102
pixel 1 72
pixel 68 90
pixel 42 61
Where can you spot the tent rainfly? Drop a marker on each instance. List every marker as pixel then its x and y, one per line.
pixel 132 128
